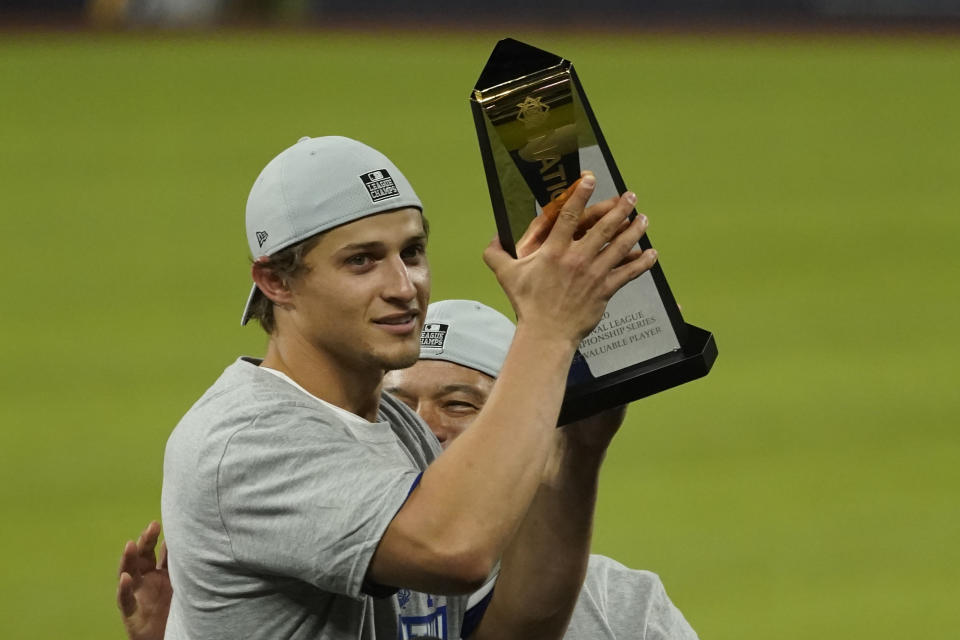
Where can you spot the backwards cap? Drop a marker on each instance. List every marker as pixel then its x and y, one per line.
pixel 316 185
pixel 466 333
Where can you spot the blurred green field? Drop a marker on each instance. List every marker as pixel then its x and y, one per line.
pixel 804 197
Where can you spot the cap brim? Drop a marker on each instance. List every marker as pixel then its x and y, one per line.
pixel 461 361
pixel 248 309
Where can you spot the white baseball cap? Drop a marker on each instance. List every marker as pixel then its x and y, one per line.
pixel 316 185
pixel 467 333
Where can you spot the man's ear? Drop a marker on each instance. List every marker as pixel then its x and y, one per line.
pixel 269 282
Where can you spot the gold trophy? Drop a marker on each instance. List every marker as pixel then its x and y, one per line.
pixel 537 132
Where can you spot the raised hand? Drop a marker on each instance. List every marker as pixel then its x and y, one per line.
pixel 144 590
pixel 594 433
pixel 562 282
pixel 540 227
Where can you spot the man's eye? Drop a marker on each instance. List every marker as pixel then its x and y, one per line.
pixel 359 260
pixel 413 251
pixel 456 406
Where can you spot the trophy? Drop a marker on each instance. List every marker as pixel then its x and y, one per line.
pixel 537 132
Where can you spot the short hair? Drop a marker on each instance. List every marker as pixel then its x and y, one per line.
pixel 286 264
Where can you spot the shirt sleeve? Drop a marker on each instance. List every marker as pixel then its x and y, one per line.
pixel 308 496
pixel 617 602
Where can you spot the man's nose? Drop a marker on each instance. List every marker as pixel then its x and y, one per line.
pixel 400 285
pixel 434 420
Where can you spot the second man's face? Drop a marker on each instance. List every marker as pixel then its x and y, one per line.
pixel 447 396
pixel 362 299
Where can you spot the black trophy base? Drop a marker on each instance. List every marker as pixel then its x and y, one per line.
pixel 690 362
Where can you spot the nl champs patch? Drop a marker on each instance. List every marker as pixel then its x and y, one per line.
pixel 379 185
pixel 433 335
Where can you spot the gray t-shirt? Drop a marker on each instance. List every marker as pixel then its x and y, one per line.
pixel 617 602
pixel 273 505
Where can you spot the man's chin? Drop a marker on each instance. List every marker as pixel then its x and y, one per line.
pixel 401 359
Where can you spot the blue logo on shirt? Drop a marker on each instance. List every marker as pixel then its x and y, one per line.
pixel 432 624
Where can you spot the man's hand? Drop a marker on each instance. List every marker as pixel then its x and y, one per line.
pixel 594 433
pixel 540 227
pixel 561 285
pixel 144 590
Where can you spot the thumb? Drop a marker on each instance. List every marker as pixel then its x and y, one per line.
pixel 494 255
pixel 162 558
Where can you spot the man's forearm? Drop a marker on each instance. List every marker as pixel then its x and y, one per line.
pixel 543 568
pixel 472 499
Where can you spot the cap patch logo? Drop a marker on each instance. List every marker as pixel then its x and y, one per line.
pixel 261 237
pixel 433 335
pixel 379 185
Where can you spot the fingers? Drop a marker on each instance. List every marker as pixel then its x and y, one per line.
pixel 552 208
pixel 162 559
pixel 610 224
pixel 129 559
pixel 634 254
pixel 625 240
pixel 540 226
pixel 147 543
pixel 593 214
pixel 139 557
pixel 634 265
pixel 623 226
pixel 534 236
pixel 571 211
pixel 126 601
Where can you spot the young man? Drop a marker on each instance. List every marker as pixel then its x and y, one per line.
pixel 299 503
pixel 462 348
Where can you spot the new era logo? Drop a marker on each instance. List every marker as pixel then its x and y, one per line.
pixel 433 335
pixel 379 185
pixel 261 237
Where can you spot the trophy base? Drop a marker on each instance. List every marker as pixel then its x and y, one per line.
pixel 693 360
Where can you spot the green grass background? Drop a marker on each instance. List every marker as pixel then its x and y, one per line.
pixel 804 196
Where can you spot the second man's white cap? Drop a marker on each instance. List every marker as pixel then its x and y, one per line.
pixel 467 333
